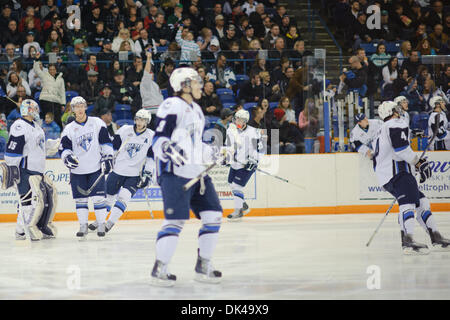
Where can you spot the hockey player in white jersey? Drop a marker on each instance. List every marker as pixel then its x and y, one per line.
pixel 25 166
pixel 402 109
pixel 178 150
pixel 438 119
pixel 364 133
pixel 246 143
pixel 133 166
pixel 86 149
pixel 394 164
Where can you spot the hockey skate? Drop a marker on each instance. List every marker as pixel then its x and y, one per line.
pixel 21 236
pixel 237 215
pixel 410 247
pixel 93 226
pixel 109 226
pixel 101 230
pixel 83 231
pixel 438 242
pixel 204 271
pixel 161 277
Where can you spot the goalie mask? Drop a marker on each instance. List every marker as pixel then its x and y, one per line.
pixel 29 107
pixel 241 118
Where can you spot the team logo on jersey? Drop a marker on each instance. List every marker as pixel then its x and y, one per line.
pixel 133 149
pixel 41 142
pixel 85 141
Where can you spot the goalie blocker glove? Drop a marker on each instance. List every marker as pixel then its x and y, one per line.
pixel 106 164
pixel 174 153
pixel 10 175
pixel 71 161
pixel 423 166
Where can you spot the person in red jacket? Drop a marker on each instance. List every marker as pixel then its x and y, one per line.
pixel 30 13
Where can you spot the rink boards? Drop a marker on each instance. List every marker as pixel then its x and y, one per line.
pixel 333 184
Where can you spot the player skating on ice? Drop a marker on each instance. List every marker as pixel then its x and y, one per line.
pixel 86 149
pixel 438 118
pixel 395 165
pixel 363 134
pixel 246 141
pixel 25 166
pixel 178 150
pixel 132 145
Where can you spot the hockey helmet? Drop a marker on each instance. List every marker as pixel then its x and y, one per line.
pixel 242 115
pixel 387 109
pixel 435 100
pixel 400 99
pixel 143 114
pixel 182 77
pixel 29 107
pixel 77 101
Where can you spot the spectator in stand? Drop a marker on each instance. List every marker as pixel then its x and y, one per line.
pixel 412 63
pixel 447 24
pixel 270 39
pixel 219 27
pixel 210 101
pixel 277 53
pixel 105 101
pixel 124 35
pixel 278 16
pixel 30 41
pixel 16 100
pixel 77 57
pixel 402 22
pixel 291 37
pixel 131 18
pixel 249 6
pixel 150 91
pixel 360 32
pixel 12 35
pixel 424 48
pixel 160 31
pixel 259 65
pixel 122 89
pixel 356 79
pixel 30 14
pixel 416 14
pixel 53 94
pixel 421 33
pixel 106 55
pixel 251 90
pixel 221 75
pixel 226 115
pixel 299 53
pixel 388 31
pixel 7 58
pixel 380 58
pixel 308 120
pixel 106 116
pixel 33 79
pixel 285 25
pixel 287 142
pixel 401 83
pixel 404 53
pixel 67 115
pixel 390 74
pixel 267 22
pixel 189 49
pixel 438 39
pixel 248 37
pixel 14 81
pixel 50 127
pixel 422 75
pixel 135 72
pixel 430 91
pixel 77 32
pixel 204 39
pixel 256 20
pixel 284 80
pixel 113 18
pixel 29 26
pixel 5 17
pixel 235 54
pixel 257 118
pixel 271 90
pixel 164 74
pixel 279 71
pixel 90 89
pixel 143 43
pixel 414 97
pixel 225 42
pixel 47 8
pixel 213 50
pixel 96 38
pixel 444 79
pixel 436 16
pixel 91 65
pixel 18 67
pixel 211 18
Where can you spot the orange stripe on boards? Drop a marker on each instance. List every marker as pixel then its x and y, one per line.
pixel 355 209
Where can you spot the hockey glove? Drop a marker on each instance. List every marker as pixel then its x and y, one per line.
pixel 10 175
pixel 251 164
pixel 423 166
pixel 174 153
pixel 71 161
pixel 106 163
pixel 146 178
pixel 418 133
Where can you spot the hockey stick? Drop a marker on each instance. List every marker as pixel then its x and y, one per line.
pixel 148 204
pixel 88 191
pixel 393 202
pixel 202 174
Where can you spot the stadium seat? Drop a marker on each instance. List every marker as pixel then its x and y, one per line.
pixel 123 111
pixel 228 105
pixel 162 49
pixel 95 49
pixel 273 105
pixel 70 95
pixel 369 48
pixel 69 49
pixel 227 98
pixel 165 93
pixel 249 105
pixel 36 96
pixel 89 109
pixel 123 122
pixel 222 91
pixel 393 47
pixel 241 78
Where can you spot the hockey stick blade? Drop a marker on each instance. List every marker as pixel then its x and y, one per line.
pixel 193 181
pixel 88 191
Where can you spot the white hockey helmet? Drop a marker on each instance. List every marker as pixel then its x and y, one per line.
pixel 182 77
pixel 143 114
pixel 435 100
pixel 29 107
pixel 242 114
pixel 400 99
pixel 78 100
pixel 387 109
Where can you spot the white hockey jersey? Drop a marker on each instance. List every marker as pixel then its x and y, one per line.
pixel 247 145
pixel 361 139
pixel 183 124
pixel 88 141
pixel 133 151
pixel 443 134
pixel 405 117
pixel 26 146
pixel 393 153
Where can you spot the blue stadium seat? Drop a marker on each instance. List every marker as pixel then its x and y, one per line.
pixel 393 47
pixel 89 109
pixel 247 106
pixel 228 105
pixel 369 48
pixel 95 49
pixel 273 105
pixel 123 122
pixel 165 93
pixel 69 49
pixel 70 95
pixel 240 78
pixel 123 111
pixel 162 49
pixel 222 91
pixel 227 98
pixel 36 96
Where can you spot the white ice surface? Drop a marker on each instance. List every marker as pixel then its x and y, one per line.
pixel 290 257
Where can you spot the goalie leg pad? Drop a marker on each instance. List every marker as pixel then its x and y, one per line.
pixel 10 175
pixel 52 200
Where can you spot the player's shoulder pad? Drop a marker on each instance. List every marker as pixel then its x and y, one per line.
pixel 396 123
pixel 97 121
pixel 18 128
pixel 169 106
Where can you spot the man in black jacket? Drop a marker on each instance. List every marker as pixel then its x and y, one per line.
pixel 360 73
pixel 251 91
pixel 90 89
pixel 210 101
pixel 412 63
pixel 122 89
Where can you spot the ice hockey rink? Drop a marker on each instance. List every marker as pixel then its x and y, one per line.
pixel 283 257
